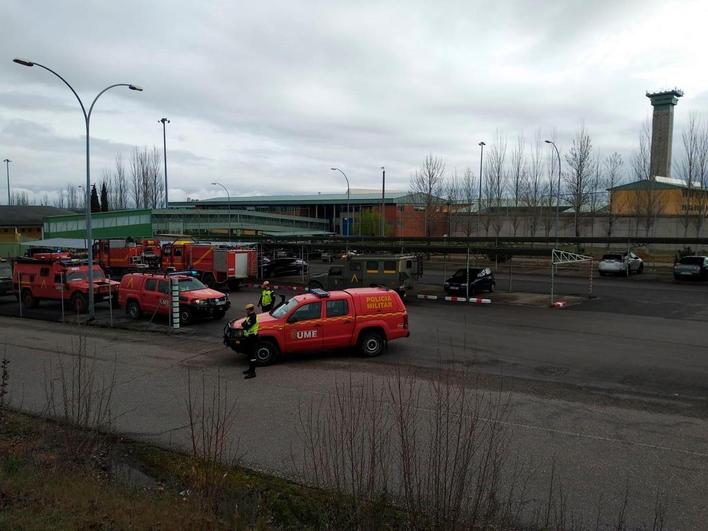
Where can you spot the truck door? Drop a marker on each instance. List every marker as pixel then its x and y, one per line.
pixel 150 299
pixel 303 330
pixel 339 324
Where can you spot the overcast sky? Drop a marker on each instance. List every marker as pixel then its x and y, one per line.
pixel 267 96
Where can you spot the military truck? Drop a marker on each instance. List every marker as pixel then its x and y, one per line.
pixel 398 272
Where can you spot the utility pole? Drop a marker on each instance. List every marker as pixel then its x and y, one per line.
pixel 383 202
pixel 164 152
pixel 7 167
pixel 479 201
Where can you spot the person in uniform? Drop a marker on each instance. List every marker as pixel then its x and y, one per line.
pixel 267 299
pixel 250 338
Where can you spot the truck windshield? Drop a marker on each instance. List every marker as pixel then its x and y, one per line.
pixel 190 284
pixel 283 310
pixel 72 276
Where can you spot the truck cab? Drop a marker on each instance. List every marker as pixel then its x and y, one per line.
pixel 151 294
pixel 366 318
pixel 63 279
pixel 396 272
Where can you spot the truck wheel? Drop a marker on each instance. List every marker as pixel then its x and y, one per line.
pixel 133 310
pixel 371 343
pixel 79 302
pixel 29 300
pixel 185 316
pixel 315 284
pixel 266 352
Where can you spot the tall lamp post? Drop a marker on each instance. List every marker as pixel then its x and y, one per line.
pixel 228 195
pixel 383 201
pixel 87 188
pixel 558 190
pixel 7 167
pixel 479 201
pixel 347 218
pixel 164 121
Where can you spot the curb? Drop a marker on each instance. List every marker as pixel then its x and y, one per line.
pixel 473 300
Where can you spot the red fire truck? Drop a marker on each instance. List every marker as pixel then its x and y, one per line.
pixel 36 279
pixel 118 257
pixel 214 265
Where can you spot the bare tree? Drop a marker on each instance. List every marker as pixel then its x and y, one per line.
pixel 147 185
pixel 641 159
pixel 21 199
pixel 119 190
pixel 495 184
pixel 534 186
pixel 612 177
pixel 578 177
pixel 518 180
pixel 452 190
pixel 427 187
pixel 692 168
pixel 73 197
pixel 469 197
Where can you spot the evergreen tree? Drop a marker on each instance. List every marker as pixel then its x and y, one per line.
pixel 104 198
pixel 95 204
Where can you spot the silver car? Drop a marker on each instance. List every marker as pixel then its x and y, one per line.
pixel 622 263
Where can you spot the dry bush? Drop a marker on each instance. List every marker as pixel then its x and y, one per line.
pixel 434 448
pixel 79 394
pixel 211 415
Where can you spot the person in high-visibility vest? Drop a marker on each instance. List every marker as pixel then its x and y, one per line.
pixel 267 297
pixel 250 339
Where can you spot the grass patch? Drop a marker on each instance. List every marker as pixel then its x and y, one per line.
pixel 44 486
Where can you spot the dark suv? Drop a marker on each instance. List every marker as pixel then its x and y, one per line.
pixel 481 279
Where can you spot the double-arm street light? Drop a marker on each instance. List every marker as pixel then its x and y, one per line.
pixel 228 195
pixel 7 167
pixel 164 121
pixel 87 190
pixel 558 190
pixel 347 218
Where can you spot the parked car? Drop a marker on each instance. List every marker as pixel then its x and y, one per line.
pixel 150 293
pixel 5 277
pixel 621 263
pixel 283 267
pixel 691 268
pixel 481 279
pixel 366 318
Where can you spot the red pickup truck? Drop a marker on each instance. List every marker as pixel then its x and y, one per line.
pixel 150 293
pixel 319 320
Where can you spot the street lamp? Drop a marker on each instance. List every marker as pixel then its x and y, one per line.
pixel 383 201
pixel 87 188
pixel 228 195
pixel 164 152
pixel 558 191
pixel 7 167
pixel 479 202
pixel 348 226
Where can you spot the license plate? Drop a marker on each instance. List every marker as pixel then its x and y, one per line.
pixel 454 288
pixel 220 303
pixel 686 273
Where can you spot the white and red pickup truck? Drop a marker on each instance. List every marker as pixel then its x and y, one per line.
pixel 366 318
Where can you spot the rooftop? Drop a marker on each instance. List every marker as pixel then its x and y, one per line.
pixel 27 215
pixel 355 196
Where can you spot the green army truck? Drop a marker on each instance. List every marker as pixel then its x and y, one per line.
pixel 398 272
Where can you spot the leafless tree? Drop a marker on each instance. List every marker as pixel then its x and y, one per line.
pixel 612 177
pixel 519 179
pixel 641 159
pixel 692 169
pixel 21 199
pixel 469 197
pixel 534 186
pixel 426 185
pixel 119 189
pixel 452 190
pixel 495 184
pixel 578 177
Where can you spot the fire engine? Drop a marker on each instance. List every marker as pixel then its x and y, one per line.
pixel 214 265
pixel 118 257
pixel 365 318
pixel 60 279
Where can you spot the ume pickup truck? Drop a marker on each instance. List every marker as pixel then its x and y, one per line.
pixel 366 318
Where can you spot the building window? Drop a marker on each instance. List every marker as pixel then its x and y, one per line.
pixel 372 266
